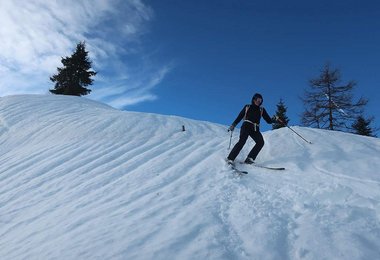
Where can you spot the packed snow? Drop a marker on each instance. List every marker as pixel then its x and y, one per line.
pixel 81 180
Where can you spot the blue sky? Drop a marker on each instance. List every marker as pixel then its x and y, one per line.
pixel 198 59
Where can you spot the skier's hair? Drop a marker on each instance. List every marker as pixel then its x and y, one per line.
pixel 256 96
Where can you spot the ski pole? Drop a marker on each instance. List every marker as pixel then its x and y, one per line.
pixel 298 135
pixel 282 122
pixel 229 146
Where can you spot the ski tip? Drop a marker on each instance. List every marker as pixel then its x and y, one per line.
pixel 236 170
pixel 270 168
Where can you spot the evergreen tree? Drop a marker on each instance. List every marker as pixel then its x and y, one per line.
pixel 281 113
pixel 75 75
pixel 329 103
pixel 362 126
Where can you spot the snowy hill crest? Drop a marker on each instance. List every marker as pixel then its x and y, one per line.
pixel 81 180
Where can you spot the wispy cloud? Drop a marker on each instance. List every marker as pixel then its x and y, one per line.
pixel 118 95
pixel 35 35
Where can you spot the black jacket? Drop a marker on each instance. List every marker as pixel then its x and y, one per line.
pixel 253 115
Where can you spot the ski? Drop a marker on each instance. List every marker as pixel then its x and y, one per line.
pixel 236 170
pixel 266 167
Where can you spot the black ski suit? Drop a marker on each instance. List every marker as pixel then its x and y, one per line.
pixel 250 127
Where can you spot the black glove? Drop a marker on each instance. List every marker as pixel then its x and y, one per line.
pixel 231 128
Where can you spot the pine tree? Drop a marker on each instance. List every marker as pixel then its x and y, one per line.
pixel 75 75
pixel 281 113
pixel 329 103
pixel 362 126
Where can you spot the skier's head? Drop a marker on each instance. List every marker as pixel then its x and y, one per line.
pixel 257 96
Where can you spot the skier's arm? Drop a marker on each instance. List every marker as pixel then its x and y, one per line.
pixel 267 118
pixel 239 117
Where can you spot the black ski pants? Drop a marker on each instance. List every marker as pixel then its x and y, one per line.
pixel 248 129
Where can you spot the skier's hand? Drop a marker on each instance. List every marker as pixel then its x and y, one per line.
pixel 278 119
pixel 231 128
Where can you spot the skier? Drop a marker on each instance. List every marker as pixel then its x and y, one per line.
pixel 250 127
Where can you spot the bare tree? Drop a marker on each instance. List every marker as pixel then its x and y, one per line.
pixel 328 104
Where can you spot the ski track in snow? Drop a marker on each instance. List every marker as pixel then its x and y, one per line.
pixel 80 180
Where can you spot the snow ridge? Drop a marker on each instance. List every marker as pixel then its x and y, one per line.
pixel 81 180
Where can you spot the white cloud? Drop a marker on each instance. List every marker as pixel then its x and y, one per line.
pixel 35 34
pixel 133 89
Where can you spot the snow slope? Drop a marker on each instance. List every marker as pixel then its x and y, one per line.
pixel 81 180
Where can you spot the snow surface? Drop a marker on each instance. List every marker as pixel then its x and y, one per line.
pixel 81 180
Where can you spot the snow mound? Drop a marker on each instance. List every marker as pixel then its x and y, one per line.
pixel 81 180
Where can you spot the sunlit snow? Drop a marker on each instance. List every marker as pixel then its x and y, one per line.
pixel 81 180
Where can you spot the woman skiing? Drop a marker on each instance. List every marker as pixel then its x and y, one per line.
pixel 250 127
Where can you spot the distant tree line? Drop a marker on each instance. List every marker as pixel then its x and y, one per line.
pixel 329 105
pixel 328 102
